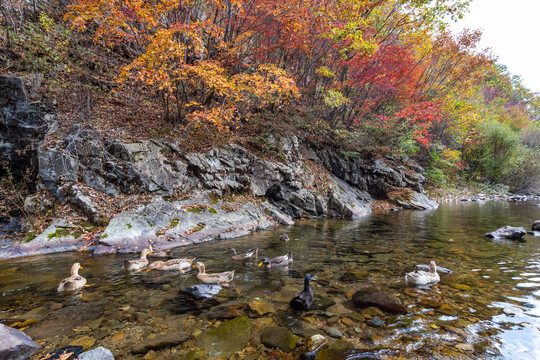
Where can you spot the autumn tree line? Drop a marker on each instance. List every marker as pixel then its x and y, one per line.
pixel 363 76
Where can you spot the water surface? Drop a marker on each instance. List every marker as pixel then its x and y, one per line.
pixel 487 308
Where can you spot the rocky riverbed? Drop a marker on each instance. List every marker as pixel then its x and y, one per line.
pixel 484 308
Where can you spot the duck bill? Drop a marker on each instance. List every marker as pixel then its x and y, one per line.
pixel 260 263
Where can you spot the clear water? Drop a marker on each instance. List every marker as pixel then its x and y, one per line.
pixel 489 307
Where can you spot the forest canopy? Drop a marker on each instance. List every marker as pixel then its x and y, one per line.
pixel 380 76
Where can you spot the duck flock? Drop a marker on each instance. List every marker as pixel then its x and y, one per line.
pixel 300 301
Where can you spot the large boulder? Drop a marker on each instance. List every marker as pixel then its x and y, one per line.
pixel 175 223
pixel 15 345
pixel 507 232
pixel 415 201
pixel 379 299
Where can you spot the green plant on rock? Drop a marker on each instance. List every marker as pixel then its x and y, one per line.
pixel 45 46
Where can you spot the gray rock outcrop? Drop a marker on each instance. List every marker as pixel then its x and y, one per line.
pixel 203 291
pixel 88 169
pixel 507 232
pixel 22 127
pixel 15 345
pixel 99 353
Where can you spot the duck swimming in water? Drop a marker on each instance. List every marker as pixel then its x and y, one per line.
pixel 302 300
pixel 216 278
pixel 173 264
pixel 419 277
pixel 248 255
pixel 74 282
pixel 279 261
pixel 137 265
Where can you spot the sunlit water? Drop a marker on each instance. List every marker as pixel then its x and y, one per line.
pixel 489 307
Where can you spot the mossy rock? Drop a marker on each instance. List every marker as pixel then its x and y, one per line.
pixel 228 338
pixel 461 287
pixel 354 275
pixel 279 337
pixel 321 302
pixel 86 342
pixel 195 354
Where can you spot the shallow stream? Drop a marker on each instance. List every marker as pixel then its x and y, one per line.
pixel 488 308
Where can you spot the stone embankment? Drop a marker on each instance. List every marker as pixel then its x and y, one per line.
pixel 189 196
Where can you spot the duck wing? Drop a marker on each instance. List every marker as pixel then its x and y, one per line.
pixel 302 300
pixel 217 277
pixel 135 264
pixel 280 260
pixel 72 283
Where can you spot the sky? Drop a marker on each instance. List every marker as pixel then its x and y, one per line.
pixel 511 28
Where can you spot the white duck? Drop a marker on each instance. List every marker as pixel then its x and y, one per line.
pixel 419 277
pixel 74 282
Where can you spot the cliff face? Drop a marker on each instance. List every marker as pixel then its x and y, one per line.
pixel 224 192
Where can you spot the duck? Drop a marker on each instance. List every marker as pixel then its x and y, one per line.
pixel 283 261
pixel 420 277
pixel 75 281
pixel 216 278
pixel 137 265
pixel 173 264
pixel 248 255
pixel 302 300
pixel 284 238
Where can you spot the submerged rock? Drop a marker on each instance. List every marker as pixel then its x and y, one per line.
pixel 259 308
pixel 383 301
pixel 333 332
pixel 99 353
pixel 354 275
pixel 161 341
pixel 227 311
pixel 15 345
pixel 344 354
pixel 203 292
pixel 535 226
pixel 85 342
pixel 321 302
pixel 376 322
pixel 279 337
pixel 228 338
pixel 508 232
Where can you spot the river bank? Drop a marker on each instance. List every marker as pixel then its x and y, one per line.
pixel 114 194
